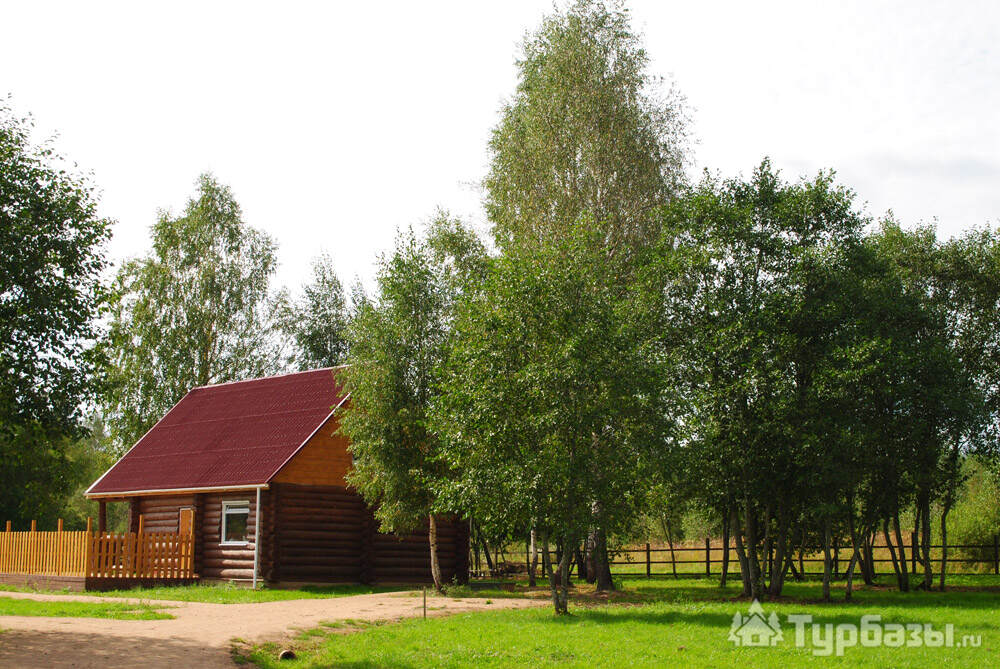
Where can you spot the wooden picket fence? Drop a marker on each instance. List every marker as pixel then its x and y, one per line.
pixel 160 555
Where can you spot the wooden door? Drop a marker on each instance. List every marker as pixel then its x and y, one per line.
pixel 185 523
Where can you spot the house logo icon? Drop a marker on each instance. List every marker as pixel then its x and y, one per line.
pixel 754 629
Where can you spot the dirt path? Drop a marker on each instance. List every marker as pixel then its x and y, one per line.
pixel 200 634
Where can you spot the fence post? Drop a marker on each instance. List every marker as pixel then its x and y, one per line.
pixel 708 557
pixel 8 527
pixel 996 554
pixel 59 547
pixel 648 563
pixel 141 555
pixel 836 557
pixel 913 552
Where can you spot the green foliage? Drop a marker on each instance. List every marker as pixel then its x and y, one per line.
pixel 552 399
pixel 588 131
pixel 317 321
pixel 52 255
pixel 195 311
pixel 975 519
pixel 397 341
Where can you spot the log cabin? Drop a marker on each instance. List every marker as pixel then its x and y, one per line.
pixel 256 471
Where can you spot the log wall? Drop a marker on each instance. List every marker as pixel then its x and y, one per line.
pixel 309 534
pixel 328 534
pixel 162 513
pixel 227 562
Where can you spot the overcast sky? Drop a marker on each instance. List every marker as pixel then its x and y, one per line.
pixel 337 124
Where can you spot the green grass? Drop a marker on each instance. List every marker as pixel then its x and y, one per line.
pixel 53 609
pixel 228 594
pixel 661 623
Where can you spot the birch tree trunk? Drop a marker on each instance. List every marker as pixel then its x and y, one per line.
pixel 432 536
pixel 533 560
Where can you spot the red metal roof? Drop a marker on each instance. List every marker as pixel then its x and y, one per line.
pixel 231 434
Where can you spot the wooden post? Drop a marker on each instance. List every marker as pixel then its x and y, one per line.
pixel 708 557
pixel 34 525
pixel 90 525
pixel 648 563
pixel 913 552
pixel 836 557
pixel 102 516
pixel 140 554
pixel 134 514
pixel 199 533
pixel 996 554
pixel 59 550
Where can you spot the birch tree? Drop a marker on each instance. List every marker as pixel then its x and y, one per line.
pixel 552 402
pixel 196 310
pixel 397 342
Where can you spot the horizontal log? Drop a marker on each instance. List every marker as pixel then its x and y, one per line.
pixel 226 564
pixel 291 489
pixel 340 528
pixel 316 491
pixel 410 539
pixel 327 561
pixel 217 516
pixel 321 549
pixel 239 554
pixel 322 508
pixel 158 503
pixel 322 512
pixel 319 572
pixel 227 573
pixel 388 562
pixel 331 536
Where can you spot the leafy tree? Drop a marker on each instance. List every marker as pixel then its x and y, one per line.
pixel 760 321
pixel 552 402
pixel 52 255
pixel 195 311
pixel 317 320
pixel 588 131
pixel 397 341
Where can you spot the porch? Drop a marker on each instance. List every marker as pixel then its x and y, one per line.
pixel 88 560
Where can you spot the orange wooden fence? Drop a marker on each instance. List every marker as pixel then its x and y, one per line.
pixel 85 553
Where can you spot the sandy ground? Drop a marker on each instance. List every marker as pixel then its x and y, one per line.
pixel 200 634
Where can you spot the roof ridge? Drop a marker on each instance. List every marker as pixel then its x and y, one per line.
pixel 272 376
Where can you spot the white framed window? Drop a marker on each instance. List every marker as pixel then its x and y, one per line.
pixel 235 520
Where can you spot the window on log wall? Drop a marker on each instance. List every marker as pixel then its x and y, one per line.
pixel 234 522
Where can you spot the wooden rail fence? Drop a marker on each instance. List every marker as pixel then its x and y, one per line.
pixel 705 560
pixel 161 555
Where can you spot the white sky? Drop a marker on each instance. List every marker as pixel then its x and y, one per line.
pixel 335 124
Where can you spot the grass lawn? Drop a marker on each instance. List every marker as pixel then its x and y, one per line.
pixel 117 610
pixel 228 594
pixel 656 623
